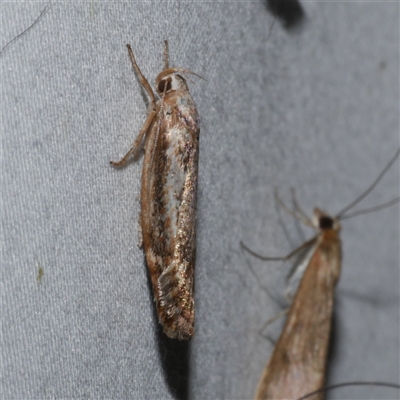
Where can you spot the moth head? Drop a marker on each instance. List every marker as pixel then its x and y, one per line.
pixel 170 80
pixel 323 221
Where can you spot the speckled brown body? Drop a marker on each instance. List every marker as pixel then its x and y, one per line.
pixel 297 365
pixel 168 196
pixel 168 216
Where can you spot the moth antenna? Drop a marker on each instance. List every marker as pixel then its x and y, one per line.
pixel 369 190
pixel 294 213
pixel 27 29
pixel 192 81
pixel 166 54
pixel 339 385
pixel 372 209
pixel 188 71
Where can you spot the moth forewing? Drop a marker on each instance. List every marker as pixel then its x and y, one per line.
pixel 299 266
pixel 297 364
pixel 168 197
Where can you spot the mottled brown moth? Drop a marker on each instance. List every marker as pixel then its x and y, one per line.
pixel 170 136
pixel 298 363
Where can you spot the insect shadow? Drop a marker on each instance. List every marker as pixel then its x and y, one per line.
pixel 290 12
pixel 173 354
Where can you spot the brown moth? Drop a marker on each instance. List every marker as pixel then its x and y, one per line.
pixel 168 195
pixel 298 363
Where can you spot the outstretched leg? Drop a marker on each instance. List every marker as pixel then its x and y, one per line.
pixel 296 214
pixel 149 121
pixel 137 143
pixel 297 208
pixel 284 258
pixel 142 79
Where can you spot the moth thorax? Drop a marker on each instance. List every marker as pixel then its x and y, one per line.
pixel 169 83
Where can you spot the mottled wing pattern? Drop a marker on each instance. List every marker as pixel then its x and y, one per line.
pixel 169 219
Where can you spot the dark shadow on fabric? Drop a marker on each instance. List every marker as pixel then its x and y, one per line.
pixel 290 12
pixel 173 355
pixel 332 350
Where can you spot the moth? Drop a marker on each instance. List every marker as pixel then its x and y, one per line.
pixel 170 136
pixel 298 363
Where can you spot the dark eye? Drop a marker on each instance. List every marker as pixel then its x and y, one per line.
pixel 161 85
pixel 325 223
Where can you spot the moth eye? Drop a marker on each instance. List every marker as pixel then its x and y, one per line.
pixel 325 223
pixel 161 85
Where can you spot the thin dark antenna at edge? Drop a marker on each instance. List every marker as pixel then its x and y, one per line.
pixel 339 385
pixel 359 198
pixel 371 209
pixel 26 30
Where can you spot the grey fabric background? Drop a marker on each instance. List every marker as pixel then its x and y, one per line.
pixel 316 108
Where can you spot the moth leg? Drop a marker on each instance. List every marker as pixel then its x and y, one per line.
pixel 295 213
pixel 273 319
pixel 285 258
pixel 297 208
pixel 288 295
pixel 142 79
pixel 137 143
pixel 270 339
pixel 153 111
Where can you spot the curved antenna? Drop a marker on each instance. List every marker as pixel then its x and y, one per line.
pixel 184 71
pixel 166 54
pixel 188 71
pixel 371 209
pixel 376 181
pixel 339 385
pixel 27 29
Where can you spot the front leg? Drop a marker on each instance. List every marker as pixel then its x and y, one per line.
pixel 148 123
pixel 137 143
